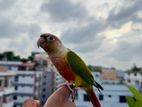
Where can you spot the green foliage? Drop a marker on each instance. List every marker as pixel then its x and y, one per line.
pixel 9 56
pixel 135 101
pixel 131 101
pixel 135 68
pixel 30 58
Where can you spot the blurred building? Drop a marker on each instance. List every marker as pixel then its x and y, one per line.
pixel 113 94
pixel 58 79
pixel 16 65
pixel 6 89
pixel 10 65
pixel 120 75
pixel 36 79
pixel 134 78
pixel 111 75
pixel 41 61
pixel 47 86
pixel 108 74
pixel 27 85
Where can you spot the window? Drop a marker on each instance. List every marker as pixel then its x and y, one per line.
pixel 16 78
pixel 122 99
pixel 0 83
pixel 4 99
pixel 85 97
pixel 16 87
pixel 15 97
pixel 42 102
pixel 135 74
pixel 109 96
pixel 100 97
pixel 44 89
pixel 43 96
pixel 22 68
pixel 44 83
pixel 76 96
pixel 6 82
pixel 44 76
pixel 129 80
pixel 14 105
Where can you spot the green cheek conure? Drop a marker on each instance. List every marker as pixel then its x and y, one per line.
pixel 70 65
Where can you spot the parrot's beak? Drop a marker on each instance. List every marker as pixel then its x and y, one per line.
pixel 40 42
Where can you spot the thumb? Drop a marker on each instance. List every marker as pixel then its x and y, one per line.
pixel 30 103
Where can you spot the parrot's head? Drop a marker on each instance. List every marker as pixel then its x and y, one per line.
pixel 49 42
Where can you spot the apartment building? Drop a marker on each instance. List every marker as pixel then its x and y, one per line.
pixel 113 94
pixel 6 89
pixel 26 85
pixel 133 78
pixel 47 86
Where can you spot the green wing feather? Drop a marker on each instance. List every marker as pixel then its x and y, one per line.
pixel 81 69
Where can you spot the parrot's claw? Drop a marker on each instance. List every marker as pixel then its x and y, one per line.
pixel 72 89
pixel 74 94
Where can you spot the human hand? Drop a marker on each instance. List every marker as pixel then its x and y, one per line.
pixel 60 98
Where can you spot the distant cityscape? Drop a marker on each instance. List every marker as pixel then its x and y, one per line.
pixel 36 77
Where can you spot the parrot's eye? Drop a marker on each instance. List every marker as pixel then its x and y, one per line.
pixel 50 38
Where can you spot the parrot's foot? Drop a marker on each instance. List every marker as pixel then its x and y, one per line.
pixel 72 89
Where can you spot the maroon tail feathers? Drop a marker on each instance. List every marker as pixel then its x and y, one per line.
pixel 93 98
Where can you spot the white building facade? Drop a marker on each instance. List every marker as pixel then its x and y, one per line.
pixel 6 89
pixel 113 94
pixel 133 78
pixel 27 85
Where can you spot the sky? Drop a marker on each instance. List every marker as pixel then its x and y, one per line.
pixel 103 32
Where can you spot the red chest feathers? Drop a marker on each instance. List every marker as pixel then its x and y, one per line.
pixel 63 68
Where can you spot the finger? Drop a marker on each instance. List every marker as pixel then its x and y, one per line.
pixel 59 97
pixel 63 92
pixel 30 103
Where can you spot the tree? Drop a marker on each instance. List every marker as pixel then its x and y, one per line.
pixel 1 56
pixel 134 69
pixel 9 56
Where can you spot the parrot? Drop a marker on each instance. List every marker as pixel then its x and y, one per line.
pixel 69 65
